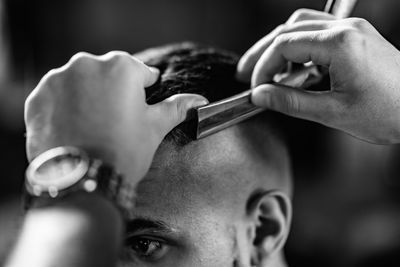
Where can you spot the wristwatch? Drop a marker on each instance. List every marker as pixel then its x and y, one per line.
pixel 66 170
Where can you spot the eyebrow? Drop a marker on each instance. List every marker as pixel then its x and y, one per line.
pixel 155 226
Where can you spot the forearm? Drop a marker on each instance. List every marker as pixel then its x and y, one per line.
pixel 82 230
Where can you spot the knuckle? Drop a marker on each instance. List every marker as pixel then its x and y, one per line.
pixel 251 58
pixel 32 103
pixel 299 14
pixel 51 79
pixel 282 40
pixel 287 103
pixel 353 33
pixel 348 36
pixel 51 75
pixel 291 104
pixel 117 55
pixel 29 102
pixel 114 62
pixel 79 62
pixel 121 60
pixel 359 23
pixel 281 28
pixel 80 58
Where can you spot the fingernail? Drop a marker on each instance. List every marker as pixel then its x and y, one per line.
pixel 201 101
pixel 260 96
pixel 155 70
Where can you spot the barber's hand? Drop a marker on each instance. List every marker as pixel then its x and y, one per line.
pixel 364 98
pixel 98 103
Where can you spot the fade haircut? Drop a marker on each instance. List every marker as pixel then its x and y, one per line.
pixel 191 68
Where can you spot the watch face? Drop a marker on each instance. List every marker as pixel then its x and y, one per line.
pixel 56 170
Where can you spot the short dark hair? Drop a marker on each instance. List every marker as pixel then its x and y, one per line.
pixel 195 68
pixel 191 68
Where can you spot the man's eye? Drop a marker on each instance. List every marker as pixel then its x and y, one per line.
pixel 147 248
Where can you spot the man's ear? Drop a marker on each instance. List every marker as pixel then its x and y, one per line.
pixel 270 215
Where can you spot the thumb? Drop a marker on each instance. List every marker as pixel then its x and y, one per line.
pixel 315 106
pixel 174 110
pixel 151 75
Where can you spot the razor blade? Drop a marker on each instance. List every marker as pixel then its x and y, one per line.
pixel 219 115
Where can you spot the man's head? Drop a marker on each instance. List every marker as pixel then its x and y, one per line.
pixel 219 201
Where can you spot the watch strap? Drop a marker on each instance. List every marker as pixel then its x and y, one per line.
pixel 100 178
pixel 117 189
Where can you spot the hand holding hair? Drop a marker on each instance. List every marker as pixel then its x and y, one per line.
pixel 98 103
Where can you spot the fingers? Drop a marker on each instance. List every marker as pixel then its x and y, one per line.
pixel 173 110
pixel 297 47
pixel 148 74
pixel 316 106
pixel 309 14
pixel 312 21
pixel 248 61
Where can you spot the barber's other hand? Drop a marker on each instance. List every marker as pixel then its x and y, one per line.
pixel 364 98
pixel 98 103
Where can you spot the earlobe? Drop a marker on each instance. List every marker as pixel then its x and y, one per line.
pixel 270 214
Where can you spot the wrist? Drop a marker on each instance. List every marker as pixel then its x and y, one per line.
pixel 62 172
pixel 122 159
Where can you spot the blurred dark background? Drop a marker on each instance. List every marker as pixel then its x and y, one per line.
pixel 347 204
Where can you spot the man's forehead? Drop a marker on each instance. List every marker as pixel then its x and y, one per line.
pixel 210 170
pixel 239 143
pixel 235 153
pixel 198 166
pixel 221 148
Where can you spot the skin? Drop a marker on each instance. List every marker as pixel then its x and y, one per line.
pixel 119 79
pixel 66 108
pixel 363 98
pixel 201 191
pixel 100 82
